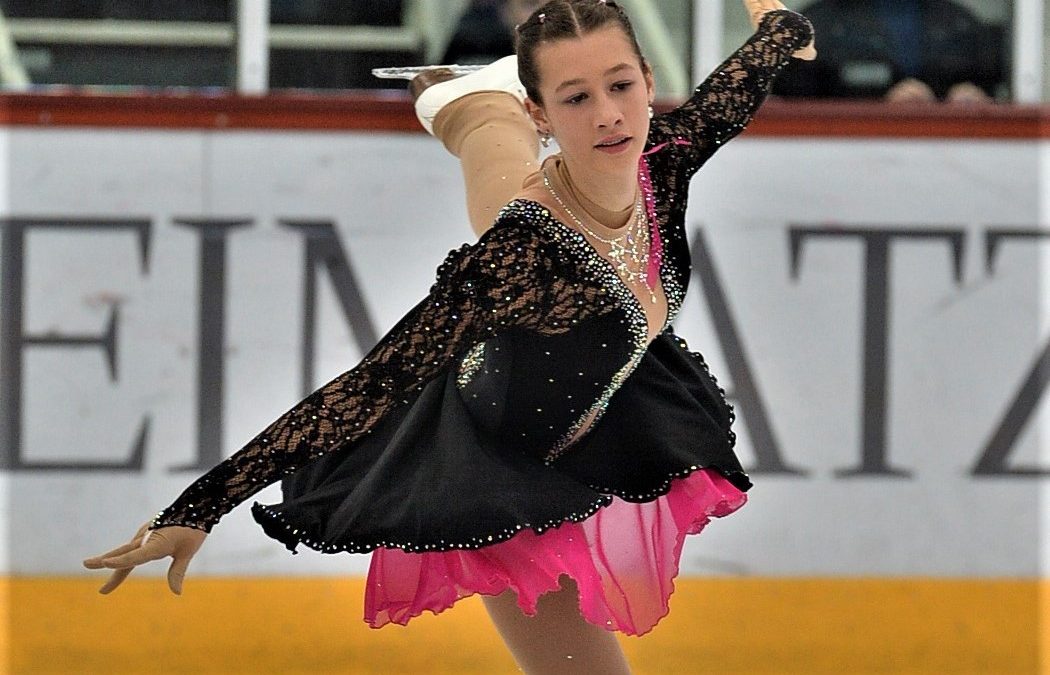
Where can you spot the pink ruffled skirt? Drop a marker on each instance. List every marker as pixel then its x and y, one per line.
pixel 623 559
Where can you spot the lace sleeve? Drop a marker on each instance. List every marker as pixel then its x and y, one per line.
pixel 724 103
pixel 480 291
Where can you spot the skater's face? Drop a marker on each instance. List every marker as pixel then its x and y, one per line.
pixel 596 95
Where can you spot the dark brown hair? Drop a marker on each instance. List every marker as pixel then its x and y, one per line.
pixel 562 19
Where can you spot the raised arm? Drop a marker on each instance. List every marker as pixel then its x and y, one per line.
pixel 480 290
pixel 723 104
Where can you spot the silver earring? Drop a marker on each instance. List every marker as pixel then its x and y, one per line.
pixel 545 139
pixel 651 113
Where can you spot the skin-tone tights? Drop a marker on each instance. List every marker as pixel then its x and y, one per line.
pixel 498 147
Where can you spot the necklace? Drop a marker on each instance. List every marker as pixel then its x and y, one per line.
pixel 588 211
pixel 636 236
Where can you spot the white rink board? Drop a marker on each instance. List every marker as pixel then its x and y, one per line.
pixel 957 353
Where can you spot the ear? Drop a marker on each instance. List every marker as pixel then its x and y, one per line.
pixel 650 83
pixel 538 115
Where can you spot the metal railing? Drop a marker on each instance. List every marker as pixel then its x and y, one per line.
pixel 116 33
pixel 12 74
pixel 427 26
pixel 424 25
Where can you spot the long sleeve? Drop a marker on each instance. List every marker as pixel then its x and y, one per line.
pixel 496 284
pixel 723 104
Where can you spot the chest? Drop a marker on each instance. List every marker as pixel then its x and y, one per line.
pixel 541 389
pixel 648 289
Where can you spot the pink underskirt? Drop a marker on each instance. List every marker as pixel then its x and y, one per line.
pixel 624 560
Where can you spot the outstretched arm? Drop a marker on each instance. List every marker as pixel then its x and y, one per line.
pixel 723 104
pixel 481 290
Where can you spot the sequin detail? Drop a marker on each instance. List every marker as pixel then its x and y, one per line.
pixel 604 274
pixel 470 365
pixel 265 514
pixel 656 252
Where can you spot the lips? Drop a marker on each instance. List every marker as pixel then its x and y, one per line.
pixel 614 145
pixel 613 141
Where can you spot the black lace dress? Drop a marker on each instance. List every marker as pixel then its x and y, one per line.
pixel 448 450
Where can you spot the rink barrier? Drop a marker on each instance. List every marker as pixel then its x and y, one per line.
pixel 719 625
pixel 392 111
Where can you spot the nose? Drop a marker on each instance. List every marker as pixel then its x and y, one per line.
pixel 607 113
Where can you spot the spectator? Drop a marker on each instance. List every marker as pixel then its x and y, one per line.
pixel 486 31
pixel 899 50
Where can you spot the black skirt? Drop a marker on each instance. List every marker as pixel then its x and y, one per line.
pixel 428 479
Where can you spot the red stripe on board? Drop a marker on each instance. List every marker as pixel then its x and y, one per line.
pixel 392 111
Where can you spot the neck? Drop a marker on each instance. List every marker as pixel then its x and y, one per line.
pixel 613 191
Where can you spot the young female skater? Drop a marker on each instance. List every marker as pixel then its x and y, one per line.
pixel 533 427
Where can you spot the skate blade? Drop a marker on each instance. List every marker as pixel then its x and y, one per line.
pixel 408 72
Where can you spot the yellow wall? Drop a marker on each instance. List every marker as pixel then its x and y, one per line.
pixel 811 626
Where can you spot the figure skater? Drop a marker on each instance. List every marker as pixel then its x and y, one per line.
pixel 533 430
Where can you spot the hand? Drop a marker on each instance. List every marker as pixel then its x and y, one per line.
pixel 910 90
pixel 757 8
pixel 967 92
pixel 181 543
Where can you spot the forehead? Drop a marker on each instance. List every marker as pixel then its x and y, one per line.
pixel 585 57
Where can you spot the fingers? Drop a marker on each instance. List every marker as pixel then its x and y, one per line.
pixel 143 554
pixel 95 562
pixel 115 580
pixel 753 11
pixel 186 548
pixel 181 543
pixel 176 574
pixel 760 7
pixel 807 53
pixel 756 8
pixel 152 548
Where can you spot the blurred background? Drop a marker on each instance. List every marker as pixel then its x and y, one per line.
pixel 868 47
pixel 209 208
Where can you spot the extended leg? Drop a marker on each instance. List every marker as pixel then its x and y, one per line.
pixel 497 147
pixel 557 640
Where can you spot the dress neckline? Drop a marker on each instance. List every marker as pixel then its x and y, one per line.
pixel 637 307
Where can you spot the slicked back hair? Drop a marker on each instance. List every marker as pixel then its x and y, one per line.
pixel 563 19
